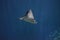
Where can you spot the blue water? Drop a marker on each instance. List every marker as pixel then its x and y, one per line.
pixel 46 12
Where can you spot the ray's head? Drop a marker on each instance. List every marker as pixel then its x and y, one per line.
pixel 33 21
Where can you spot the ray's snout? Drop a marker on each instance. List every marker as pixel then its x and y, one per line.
pixel 34 21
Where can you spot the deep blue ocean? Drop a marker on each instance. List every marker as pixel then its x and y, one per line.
pixel 46 13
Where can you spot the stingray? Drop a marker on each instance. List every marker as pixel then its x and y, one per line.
pixel 28 17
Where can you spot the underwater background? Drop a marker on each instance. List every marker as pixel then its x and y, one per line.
pixel 46 13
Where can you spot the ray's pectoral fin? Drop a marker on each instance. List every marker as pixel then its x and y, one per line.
pixel 21 18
